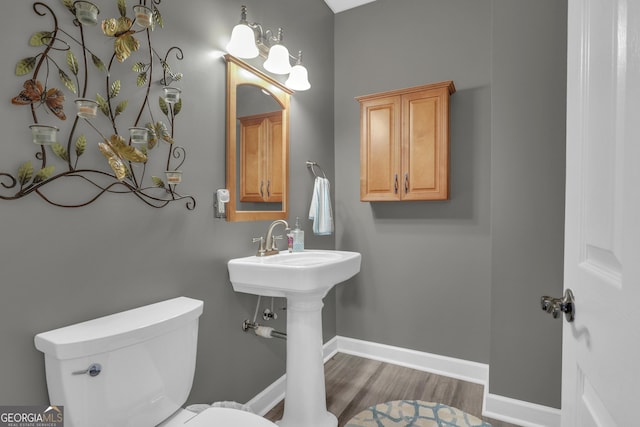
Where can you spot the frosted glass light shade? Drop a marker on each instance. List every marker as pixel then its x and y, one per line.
pixel 298 79
pixel 243 42
pixel 278 60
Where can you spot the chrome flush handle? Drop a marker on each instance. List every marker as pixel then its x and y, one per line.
pixel 93 370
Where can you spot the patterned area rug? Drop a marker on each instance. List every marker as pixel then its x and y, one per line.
pixel 414 413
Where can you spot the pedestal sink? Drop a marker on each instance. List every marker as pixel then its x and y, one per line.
pixel 303 278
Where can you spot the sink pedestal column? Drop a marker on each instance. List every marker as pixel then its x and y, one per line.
pixel 305 402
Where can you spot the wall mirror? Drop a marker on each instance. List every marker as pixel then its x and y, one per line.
pixel 257 144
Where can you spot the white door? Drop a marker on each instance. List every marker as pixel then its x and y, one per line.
pixel 601 348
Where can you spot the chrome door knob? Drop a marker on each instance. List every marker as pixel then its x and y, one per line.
pixel 554 306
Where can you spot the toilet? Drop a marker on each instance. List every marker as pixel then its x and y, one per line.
pixel 132 369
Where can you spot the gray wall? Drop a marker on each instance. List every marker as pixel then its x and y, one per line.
pixel 61 266
pixel 527 183
pixel 461 278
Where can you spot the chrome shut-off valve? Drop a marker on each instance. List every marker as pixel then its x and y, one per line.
pixel 554 306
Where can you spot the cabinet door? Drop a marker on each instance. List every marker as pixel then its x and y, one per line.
pixel 261 158
pixel 380 159
pixel 252 185
pixel 275 164
pixel 425 145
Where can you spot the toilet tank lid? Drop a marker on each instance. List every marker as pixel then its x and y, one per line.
pixel 118 330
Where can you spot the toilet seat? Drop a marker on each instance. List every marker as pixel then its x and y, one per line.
pixel 226 417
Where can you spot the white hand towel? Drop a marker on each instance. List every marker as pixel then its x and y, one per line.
pixel 313 209
pixel 320 209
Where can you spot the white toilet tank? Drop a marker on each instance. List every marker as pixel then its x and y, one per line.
pixel 129 369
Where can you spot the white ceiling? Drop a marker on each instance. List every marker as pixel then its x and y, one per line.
pixel 340 5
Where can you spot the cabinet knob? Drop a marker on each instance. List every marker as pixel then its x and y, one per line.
pixel 395 185
pixel 406 183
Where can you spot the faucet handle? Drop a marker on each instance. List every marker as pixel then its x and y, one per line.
pixel 273 241
pixel 261 250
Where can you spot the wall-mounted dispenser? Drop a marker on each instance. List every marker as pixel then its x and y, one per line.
pixel 220 199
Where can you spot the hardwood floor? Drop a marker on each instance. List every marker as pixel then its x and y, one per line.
pixel 353 384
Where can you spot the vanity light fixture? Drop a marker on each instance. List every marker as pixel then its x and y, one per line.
pixel 278 60
pixel 249 40
pixel 298 77
pixel 243 39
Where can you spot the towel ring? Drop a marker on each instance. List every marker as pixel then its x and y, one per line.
pixel 312 165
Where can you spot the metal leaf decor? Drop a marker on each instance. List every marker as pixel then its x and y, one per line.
pixel 58 51
pixel 39 38
pixel 81 145
pixel 25 173
pixel 60 151
pixel 177 107
pixel 64 78
pixel 98 63
pixel 25 66
pixel 44 174
pixel 121 107
pixel 69 4
pixel 122 7
pixel 72 62
pixel 115 89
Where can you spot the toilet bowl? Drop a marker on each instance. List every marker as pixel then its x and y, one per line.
pixel 132 369
pixel 223 417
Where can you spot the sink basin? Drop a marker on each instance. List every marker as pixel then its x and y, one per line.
pixel 312 272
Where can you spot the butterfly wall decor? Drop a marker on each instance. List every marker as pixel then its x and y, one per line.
pixel 33 93
pixel 122 166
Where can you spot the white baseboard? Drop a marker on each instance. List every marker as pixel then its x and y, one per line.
pixel 441 365
pixel 264 401
pixel 518 412
pixel 498 407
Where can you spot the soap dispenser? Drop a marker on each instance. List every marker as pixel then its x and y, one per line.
pixel 298 237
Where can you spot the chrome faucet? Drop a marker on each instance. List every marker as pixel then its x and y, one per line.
pixel 268 244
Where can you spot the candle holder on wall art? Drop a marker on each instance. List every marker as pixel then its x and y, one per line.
pixel 171 94
pixel 43 134
pixel 127 152
pixel 86 12
pixel 139 135
pixel 174 177
pixel 143 15
pixel 87 108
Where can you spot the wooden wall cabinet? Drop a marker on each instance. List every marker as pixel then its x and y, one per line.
pixel 261 157
pixel 404 144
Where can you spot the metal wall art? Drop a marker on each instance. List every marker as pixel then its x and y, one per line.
pixel 67 65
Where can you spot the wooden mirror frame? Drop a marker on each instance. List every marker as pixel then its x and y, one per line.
pixel 240 73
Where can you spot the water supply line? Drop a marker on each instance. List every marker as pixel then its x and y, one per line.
pixel 263 331
pixel 255 313
pixel 260 330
